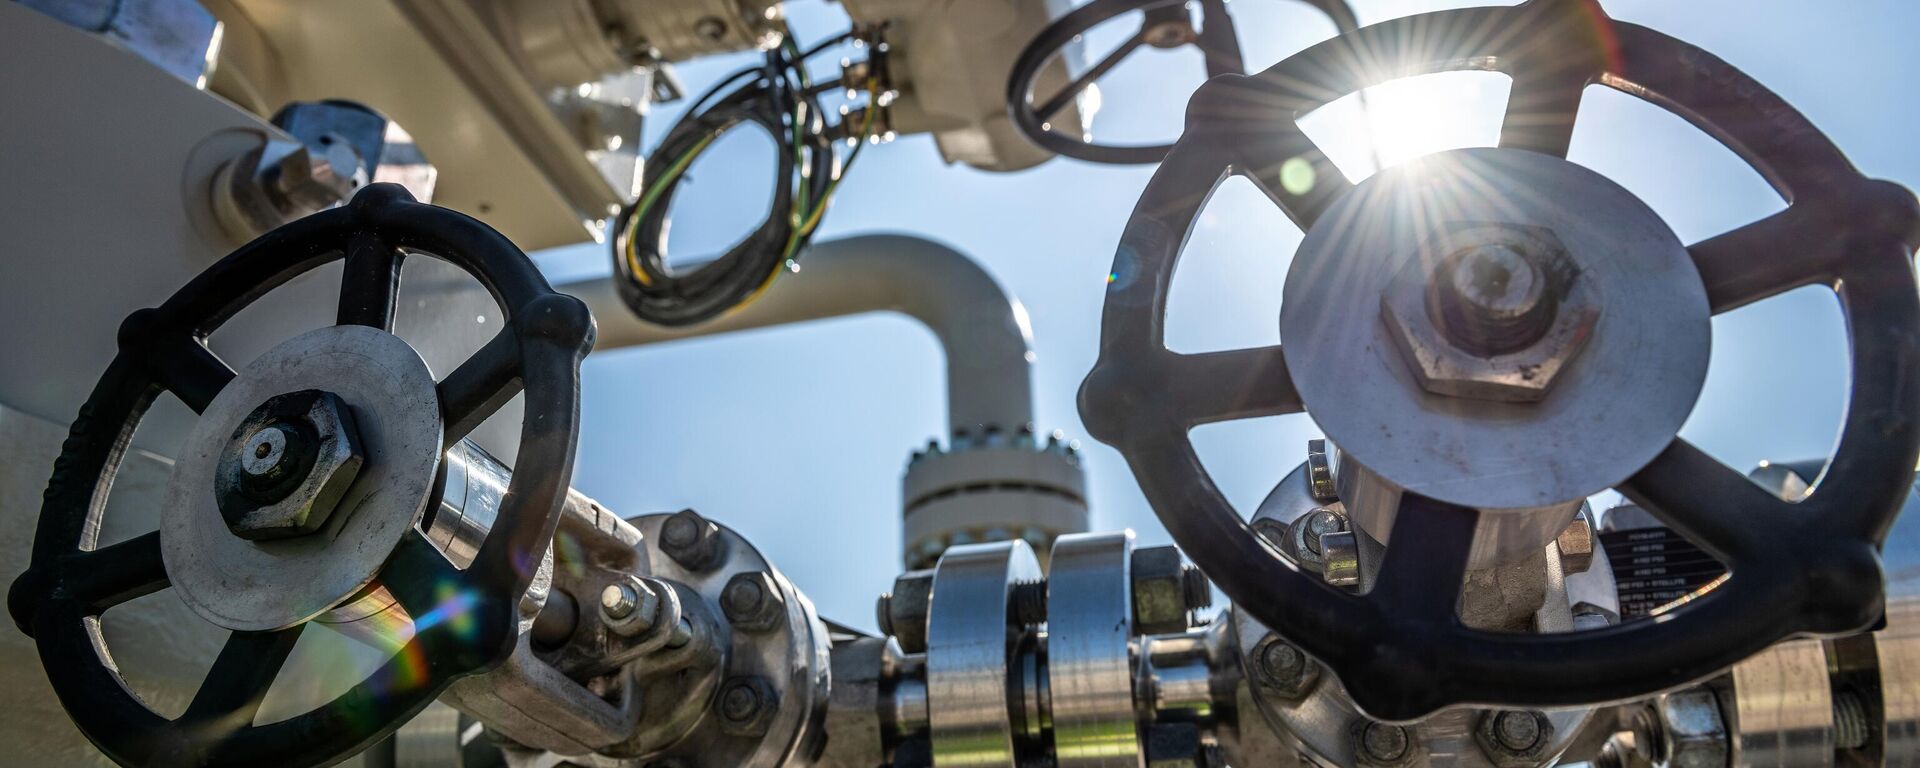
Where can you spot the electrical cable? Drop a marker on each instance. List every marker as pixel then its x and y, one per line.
pixel 780 97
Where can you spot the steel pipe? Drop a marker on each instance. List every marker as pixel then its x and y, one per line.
pixel 983 329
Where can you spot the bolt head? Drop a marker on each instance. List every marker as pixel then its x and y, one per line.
pixel 1282 670
pixel 1490 311
pixel 287 466
pixel 745 704
pixel 690 540
pixel 1514 738
pixel 752 602
pixel 1382 743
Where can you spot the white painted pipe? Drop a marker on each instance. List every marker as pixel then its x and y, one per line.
pixel 982 328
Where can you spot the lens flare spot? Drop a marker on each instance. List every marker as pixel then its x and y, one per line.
pixel 1297 176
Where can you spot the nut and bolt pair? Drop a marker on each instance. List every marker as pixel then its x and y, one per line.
pixel 631 606
pixel 1382 744
pixel 746 705
pixel 1166 591
pixel 1495 318
pixel 752 602
pixel 288 465
pixel 1514 738
pixel 1282 669
pixel 691 541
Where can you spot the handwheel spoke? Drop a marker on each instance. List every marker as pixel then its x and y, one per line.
pixel 1294 174
pixel 114 574
pixel 480 386
pixel 1219 43
pixel 1801 245
pixel 1704 500
pixel 1059 101
pixel 188 369
pixel 370 283
pixel 1426 560
pixel 1235 384
pixel 1541 110
pixel 239 679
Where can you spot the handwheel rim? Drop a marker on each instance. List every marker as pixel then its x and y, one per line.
pixel 537 355
pixel 1402 664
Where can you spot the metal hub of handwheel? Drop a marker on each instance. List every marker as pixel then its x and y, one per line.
pixel 1491 335
pixel 302 490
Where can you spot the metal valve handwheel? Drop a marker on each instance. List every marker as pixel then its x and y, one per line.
pixel 1164 24
pixel 249 555
pixel 1461 455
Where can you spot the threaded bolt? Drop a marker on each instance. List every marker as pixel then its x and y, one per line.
pixel 1029 602
pixel 1195 588
pixel 617 600
pixel 1852 729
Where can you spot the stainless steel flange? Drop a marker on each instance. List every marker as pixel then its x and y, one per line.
pixel 789 653
pixel 968 646
pixel 1089 651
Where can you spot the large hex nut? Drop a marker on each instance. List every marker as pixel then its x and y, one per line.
pixel 1162 600
pixel 1692 732
pixel 1444 368
pixel 752 602
pixel 288 465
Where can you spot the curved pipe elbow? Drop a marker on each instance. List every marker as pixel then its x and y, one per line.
pixel 983 330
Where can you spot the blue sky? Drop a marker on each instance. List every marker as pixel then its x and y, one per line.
pixel 797 437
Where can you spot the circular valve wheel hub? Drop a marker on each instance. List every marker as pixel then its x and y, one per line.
pixel 255 586
pixel 1620 358
pixel 1493 332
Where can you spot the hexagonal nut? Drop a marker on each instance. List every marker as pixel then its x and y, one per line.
pixel 691 540
pixel 630 606
pixel 907 609
pixel 1320 472
pixel 1444 368
pixel 316 459
pixel 1160 594
pixel 1575 543
pixel 1692 732
pixel 1281 670
pixel 1514 738
pixel 752 602
pixel 1382 744
pixel 745 705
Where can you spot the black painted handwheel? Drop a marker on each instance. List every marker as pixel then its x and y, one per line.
pixel 1809 567
pixel 72 581
pixel 1164 24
